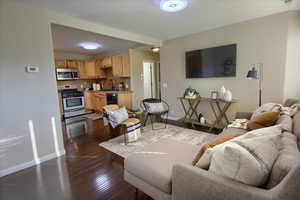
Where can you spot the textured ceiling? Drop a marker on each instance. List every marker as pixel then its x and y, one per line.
pixel 145 17
pixel 68 39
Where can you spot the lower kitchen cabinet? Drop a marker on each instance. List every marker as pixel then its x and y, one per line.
pixel 95 100
pixel 125 99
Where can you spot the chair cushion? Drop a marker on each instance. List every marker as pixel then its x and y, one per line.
pixel 288 154
pixel 155 162
pixel 155 107
pixel 132 124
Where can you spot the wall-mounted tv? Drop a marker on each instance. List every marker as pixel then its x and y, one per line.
pixel 211 62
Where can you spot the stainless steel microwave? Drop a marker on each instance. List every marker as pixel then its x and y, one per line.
pixel 66 74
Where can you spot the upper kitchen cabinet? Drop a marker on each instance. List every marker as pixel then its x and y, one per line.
pixel 121 65
pixel 107 62
pixel 60 63
pixel 81 69
pixel 73 64
pixel 117 65
pixel 126 65
pixel 93 70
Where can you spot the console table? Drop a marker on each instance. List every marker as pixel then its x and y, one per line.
pixel 219 108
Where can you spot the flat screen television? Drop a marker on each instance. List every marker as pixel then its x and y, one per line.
pixel 211 62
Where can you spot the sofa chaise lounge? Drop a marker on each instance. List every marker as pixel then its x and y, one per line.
pixel 164 171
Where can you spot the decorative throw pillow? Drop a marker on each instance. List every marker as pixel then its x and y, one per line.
pixel 286 123
pixel 262 120
pixel 205 160
pixel 155 107
pixel 212 144
pixel 248 158
pixel 266 108
pixel 117 117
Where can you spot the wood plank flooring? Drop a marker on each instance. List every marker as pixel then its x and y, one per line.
pixel 87 171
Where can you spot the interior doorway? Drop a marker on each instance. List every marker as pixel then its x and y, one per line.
pixel 151 76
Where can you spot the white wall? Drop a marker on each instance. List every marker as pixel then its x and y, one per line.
pixel 26 40
pixel 70 55
pixel 137 57
pixel 292 80
pixel 261 40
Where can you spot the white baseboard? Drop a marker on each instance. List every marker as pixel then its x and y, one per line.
pixel 32 163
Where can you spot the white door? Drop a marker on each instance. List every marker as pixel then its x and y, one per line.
pixel 149 80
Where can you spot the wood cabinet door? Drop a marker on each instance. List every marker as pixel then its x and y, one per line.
pixel 125 65
pixel 125 99
pixel 107 62
pixel 90 68
pixel 60 63
pixel 100 101
pixel 117 65
pixel 81 69
pixel 99 69
pixel 72 64
pixel 89 100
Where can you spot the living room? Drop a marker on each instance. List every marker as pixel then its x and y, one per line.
pixel 265 35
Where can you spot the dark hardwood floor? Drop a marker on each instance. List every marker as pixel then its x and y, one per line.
pixel 87 171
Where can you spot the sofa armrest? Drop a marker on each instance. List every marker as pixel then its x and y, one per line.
pixel 192 183
pixel 243 115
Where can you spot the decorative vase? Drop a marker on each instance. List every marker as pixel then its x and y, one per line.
pixel 228 96
pixel 222 92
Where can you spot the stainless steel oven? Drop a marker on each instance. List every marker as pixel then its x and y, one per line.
pixel 66 74
pixel 73 103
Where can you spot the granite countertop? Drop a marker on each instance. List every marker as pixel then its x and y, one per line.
pixel 111 91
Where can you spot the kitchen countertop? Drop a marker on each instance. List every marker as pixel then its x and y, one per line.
pixel 109 91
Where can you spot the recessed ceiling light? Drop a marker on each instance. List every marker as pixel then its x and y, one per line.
pixel 173 5
pixel 90 45
pixel 155 49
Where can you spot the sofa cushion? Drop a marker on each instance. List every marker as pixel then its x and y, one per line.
pixel 212 144
pixel 262 120
pixel 296 125
pixel 288 154
pixel 231 131
pixel 286 122
pixel 248 158
pixel 155 162
pixel 265 108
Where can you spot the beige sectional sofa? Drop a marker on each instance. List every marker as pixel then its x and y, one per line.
pixel 164 171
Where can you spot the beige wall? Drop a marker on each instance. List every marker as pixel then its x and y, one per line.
pixel 292 79
pixel 26 40
pixel 261 40
pixel 137 57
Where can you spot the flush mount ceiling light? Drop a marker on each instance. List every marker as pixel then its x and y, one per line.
pixel 155 49
pixel 90 45
pixel 173 5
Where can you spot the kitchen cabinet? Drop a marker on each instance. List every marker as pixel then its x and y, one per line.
pixel 72 64
pixel 100 101
pixel 125 65
pixel 107 62
pixel 60 63
pixel 121 65
pixel 94 100
pixel 61 107
pixel 81 69
pixel 117 65
pixel 93 70
pixel 125 99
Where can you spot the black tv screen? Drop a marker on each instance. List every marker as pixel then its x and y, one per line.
pixel 211 62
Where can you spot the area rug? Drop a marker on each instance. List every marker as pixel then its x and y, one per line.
pixel 149 136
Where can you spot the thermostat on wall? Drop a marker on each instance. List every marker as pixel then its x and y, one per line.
pixel 32 69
